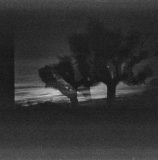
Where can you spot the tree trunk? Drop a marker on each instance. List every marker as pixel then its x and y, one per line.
pixel 111 93
pixel 74 100
pixel 72 95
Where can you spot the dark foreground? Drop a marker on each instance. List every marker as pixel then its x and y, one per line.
pixel 56 132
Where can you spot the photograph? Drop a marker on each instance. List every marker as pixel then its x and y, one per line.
pixel 83 75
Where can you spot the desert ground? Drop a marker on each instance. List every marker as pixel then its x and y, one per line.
pixel 128 130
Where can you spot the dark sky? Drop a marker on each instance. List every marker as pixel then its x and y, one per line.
pixel 42 27
pixel 84 4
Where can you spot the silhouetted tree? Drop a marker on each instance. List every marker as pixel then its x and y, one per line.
pixel 109 56
pixel 154 82
pixel 61 76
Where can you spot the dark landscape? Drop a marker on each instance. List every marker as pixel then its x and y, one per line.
pixel 50 131
pixel 83 77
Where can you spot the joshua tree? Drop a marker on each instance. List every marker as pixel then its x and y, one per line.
pixel 109 56
pixel 61 76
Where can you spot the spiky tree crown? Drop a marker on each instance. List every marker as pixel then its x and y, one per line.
pixel 110 47
pixel 46 75
pixel 50 74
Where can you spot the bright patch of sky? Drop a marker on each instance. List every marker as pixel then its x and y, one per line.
pixel 38 94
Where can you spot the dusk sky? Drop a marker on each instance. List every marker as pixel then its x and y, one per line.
pixel 42 28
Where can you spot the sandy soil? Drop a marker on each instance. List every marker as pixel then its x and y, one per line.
pixel 56 132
